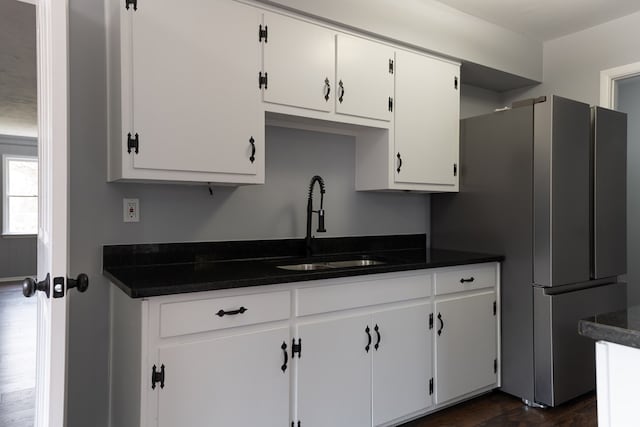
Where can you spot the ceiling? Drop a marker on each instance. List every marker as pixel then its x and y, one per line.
pixel 18 112
pixel 546 19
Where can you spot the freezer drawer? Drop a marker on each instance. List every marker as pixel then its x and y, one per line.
pixel 564 360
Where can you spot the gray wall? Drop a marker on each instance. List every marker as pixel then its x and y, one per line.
pixel 17 254
pixel 629 102
pixel 475 101
pixel 572 64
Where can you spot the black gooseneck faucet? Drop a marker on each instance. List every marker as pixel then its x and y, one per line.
pixel 310 211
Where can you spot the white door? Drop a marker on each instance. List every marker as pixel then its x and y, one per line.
pixel 364 78
pixel 299 63
pixel 195 96
pixel 209 383
pixel 401 362
pixel 334 373
pixel 466 346
pixel 427 112
pixel 53 219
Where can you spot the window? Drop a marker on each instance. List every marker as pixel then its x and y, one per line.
pixel 20 195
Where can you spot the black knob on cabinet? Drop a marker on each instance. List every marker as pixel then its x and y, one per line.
pixel 30 286
pixel 81 282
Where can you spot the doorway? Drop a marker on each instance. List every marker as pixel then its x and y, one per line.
pixel 19 210
pixel 627 99
pixel 620 90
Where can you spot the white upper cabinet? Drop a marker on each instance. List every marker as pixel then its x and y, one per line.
pixel 299 63
pixel 364 76
pixel 187 90
pixel 427 114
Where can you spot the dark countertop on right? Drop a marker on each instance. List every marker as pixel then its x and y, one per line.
pixel 619 327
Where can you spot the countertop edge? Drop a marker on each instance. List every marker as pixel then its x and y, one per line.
pixel 149 292
pixel 609 333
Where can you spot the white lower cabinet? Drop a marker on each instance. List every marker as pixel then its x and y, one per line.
pixel 379 363
pixel 362 351
pixel 466 351
pixel 210 382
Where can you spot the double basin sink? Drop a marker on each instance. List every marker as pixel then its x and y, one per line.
pixel 325 265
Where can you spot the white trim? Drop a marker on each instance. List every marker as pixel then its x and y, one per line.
pixel 609 77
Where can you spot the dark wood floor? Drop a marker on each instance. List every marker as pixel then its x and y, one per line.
pixel 17 356
pixel 499 409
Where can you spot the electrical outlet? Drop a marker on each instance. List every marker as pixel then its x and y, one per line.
pixel 131 210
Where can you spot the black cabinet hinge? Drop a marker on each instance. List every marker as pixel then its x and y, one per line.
pixel 296 348
pixel 495 366
pixel 157 377
pixel 391 66
pixel 133 143
pixel 263 33
pixel 495 308
pixel 262 80
pixel 431 321
pixel 390 104
pixel 128 3
pixel 430 386
pixel 455 83
pixel 293 424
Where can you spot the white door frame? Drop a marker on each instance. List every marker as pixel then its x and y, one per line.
pixel 608 79
pixel 53 231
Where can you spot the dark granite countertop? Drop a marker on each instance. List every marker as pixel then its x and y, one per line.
pixel 619 327
pixel 148 270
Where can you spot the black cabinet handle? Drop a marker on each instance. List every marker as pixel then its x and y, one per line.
pixel 222 313
pixel 252 158
pixel 368 331
pixel 327 87
pixel 469 280
pixel 399 163
pixel 286 356
pixel 378 334
pixel 341 91
pixel 441 324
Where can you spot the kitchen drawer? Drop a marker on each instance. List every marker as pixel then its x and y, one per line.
pixel 189 317
pixel 343 296
pixel 465 278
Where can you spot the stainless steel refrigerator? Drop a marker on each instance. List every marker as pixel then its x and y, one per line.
pixel 544 183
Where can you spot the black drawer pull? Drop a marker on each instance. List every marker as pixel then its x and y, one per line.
pixel 441 324
pixel 469 280
pixel 377 329
pixel 368 331
pixel 327 87
pixel 286 356
pixel 252 157
pixel 222 313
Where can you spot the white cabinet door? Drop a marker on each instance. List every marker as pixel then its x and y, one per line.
pixel 195 98
pixel 210 383
pixel 427 113
pixel 465 344
pixel 401 362
pixel 299 60
pixel 334 373
pixel 364 78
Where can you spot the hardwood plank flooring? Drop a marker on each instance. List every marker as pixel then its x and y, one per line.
pixel 500 409
pixel 17 356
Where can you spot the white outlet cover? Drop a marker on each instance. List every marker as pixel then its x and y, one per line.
pixel 130 210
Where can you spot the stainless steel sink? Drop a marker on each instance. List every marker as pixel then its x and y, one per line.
pixel 355 263
pixel 310 266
